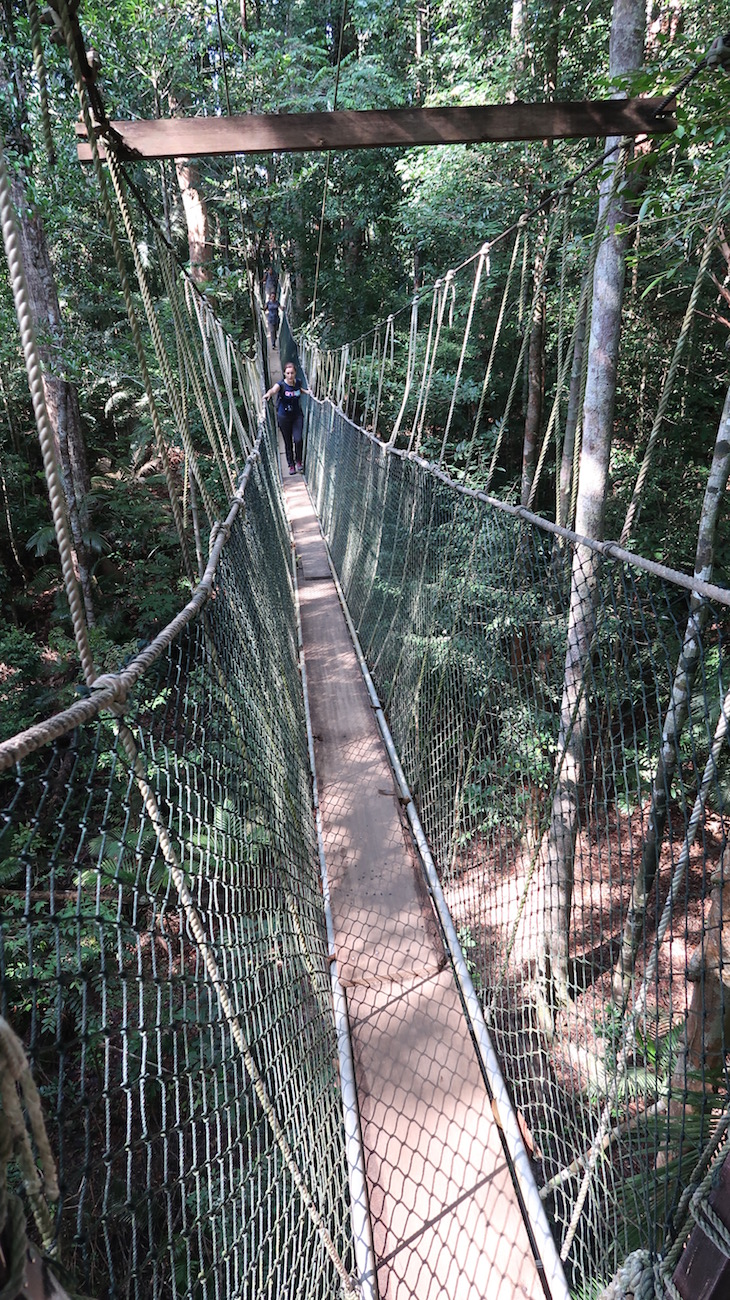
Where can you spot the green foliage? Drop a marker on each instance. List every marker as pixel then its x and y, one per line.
pixel 21 669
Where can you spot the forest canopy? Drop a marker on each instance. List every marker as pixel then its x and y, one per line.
pixel 392 220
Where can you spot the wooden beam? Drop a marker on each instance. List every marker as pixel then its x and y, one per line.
pixel 703 1271
pixel 376 128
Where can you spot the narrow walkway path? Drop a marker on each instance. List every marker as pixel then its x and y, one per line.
pixel 446 1220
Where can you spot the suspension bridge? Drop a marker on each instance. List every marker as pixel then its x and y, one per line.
pixel 278 1017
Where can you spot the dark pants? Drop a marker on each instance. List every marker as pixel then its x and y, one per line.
pixel 293 432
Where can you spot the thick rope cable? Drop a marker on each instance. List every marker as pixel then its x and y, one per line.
pixel 159 346
pixel 519 363
pixel 634 510
pixel 126 290
pixel 713 1153
pixel 481 264
pixel 428 377
pixel 520 235
pixel 17 1091
pixel 40 69
pixel 195 924
pixel 113 688
pixel 388 340
pixel 426 356
pixel 34 370
pixel 212 429
pixel 410 368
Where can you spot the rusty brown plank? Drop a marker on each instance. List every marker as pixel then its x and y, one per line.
pixel 703 1271
pixel 381 128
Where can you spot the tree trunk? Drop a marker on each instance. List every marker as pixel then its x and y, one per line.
pixel 61 396
pixel 200 247
pixel 678 711
pixel 552 49
pixel 557 852
pixel 517 37
pixel 701 1058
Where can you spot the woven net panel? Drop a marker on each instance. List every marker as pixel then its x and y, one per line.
pixel 171 1181
pixel 463 612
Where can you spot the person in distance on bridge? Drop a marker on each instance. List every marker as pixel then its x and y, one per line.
pixel 272 318
pixel 289 414
pixel 271 283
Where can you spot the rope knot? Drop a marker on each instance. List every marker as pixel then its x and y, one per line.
pixel 218 530
pixel 113 682
pixel 634 1280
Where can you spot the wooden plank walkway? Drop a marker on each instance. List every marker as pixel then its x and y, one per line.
pixel 446 1220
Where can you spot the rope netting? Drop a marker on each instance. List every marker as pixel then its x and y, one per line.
pixel 172 1179
pixel 463 610
pixel 559 705
pixel 163 948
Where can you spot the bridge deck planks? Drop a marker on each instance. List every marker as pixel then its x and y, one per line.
pixel 446 1221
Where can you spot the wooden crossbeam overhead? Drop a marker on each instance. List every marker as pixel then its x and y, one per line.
pixel 376 128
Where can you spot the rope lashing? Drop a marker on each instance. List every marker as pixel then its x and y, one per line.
pixel 634 1280
pixel 17 1091
pixel 519 236
pixel 482 263
pixel 427 379
pixel 632 514
pixel 410 368
pixel 387 344
pixel 426 356
pixel 710 1222
pixel 698 1187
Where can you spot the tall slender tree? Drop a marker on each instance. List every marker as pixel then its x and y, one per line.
pixel 60 393
pixel 557 854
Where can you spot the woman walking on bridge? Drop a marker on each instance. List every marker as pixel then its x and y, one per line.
pixel 289 414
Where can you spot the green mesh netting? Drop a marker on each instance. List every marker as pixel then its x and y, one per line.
pixel 462 609
pixel 171 1181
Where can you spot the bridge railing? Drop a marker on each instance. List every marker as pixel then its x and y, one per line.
pixel 462 607
pixel 183 1039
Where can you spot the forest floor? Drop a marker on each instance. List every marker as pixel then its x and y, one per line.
pixel 559 1084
